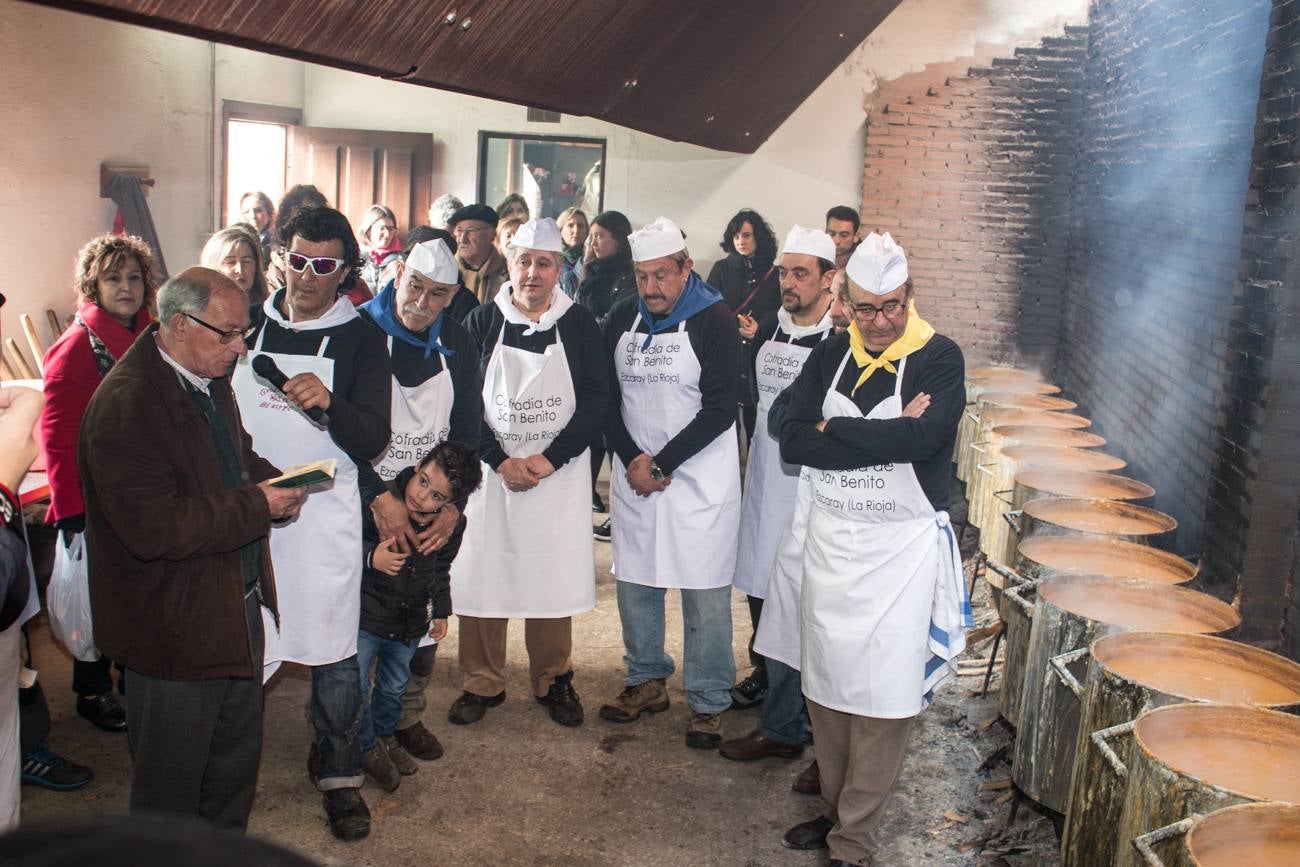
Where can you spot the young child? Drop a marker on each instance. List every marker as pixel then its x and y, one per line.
pixel 404 596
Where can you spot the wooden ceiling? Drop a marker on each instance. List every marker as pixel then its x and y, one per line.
pixel 719 73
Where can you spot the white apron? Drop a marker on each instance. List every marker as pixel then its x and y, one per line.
pixel 877 558
pixel 685 535
pixel 317 556
pixel 420 419
pixel 779 631
pixel 770 482
pixel 528 553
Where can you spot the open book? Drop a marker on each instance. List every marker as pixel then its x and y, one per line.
pixel 306 474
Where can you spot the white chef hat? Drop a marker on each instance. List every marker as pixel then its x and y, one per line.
pixel 878 265
pixel 540 234
pixel 656 240
pixel 810 242
pixel 434 260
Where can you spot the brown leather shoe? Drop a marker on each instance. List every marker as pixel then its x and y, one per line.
pixel 648 697
pixel 419 742
pixel 754 746
pixel 809 782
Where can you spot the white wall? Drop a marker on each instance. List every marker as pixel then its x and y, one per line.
pixel 76 91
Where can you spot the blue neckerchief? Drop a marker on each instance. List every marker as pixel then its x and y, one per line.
pixel 380 309
pixel 696 296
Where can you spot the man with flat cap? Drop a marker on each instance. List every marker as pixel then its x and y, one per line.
pixel 883 602
pixel 435 398
pixel 675 486
pixel 482 268
pixel 528 551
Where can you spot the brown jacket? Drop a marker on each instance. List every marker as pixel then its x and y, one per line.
pixel 485 281
pixel 163 533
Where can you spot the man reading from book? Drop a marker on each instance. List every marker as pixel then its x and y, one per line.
pixel 178 510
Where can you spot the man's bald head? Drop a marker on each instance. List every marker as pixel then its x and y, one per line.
pixel 190 291
pixel 203 314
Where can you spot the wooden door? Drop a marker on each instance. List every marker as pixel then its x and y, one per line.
pixel 357 168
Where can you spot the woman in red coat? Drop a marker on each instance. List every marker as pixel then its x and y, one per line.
pixel 115 287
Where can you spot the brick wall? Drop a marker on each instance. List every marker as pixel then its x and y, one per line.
pixel 1164 152
pixel 972 178
pixel 1119 206
pixel 1251 511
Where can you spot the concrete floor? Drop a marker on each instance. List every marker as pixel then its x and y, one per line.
pixel 518 789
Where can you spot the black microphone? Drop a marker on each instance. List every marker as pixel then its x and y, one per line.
pixel 265 367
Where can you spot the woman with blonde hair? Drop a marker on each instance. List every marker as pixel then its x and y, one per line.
pixel 115 285
pixel 235 252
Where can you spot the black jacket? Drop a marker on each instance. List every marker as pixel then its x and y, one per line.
pixel 400 607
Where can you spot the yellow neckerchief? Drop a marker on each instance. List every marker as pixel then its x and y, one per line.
pixel 915 335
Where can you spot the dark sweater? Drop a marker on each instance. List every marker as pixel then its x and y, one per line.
pixel 463 303
pixel 712 335
pixel 926 443
pixel 361 395
pixel 587 367
pixel 410 368
pixel 400 607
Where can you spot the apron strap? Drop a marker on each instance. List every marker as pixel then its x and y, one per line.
pixel 261 335
pixel 898 382
pixel 324 344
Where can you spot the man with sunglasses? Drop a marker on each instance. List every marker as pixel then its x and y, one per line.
pixel 482 267
pixel 883 602
pixel 337 363
pixel 178 511
pixel 435 398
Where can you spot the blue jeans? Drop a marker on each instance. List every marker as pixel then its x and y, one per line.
pixel 336 715
pixel 783 717
pixel 381 707
pixel 709 668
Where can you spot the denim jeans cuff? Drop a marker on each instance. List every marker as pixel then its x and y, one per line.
pixel 327 784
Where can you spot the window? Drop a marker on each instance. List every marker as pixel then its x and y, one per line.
pixel 551 172
pixel 255 144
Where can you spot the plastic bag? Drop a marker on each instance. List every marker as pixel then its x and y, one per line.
pixel 68 599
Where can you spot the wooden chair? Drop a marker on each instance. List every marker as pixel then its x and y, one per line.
pixel 33 341
pixel 17 362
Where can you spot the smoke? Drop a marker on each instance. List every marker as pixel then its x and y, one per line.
pixel 1158 203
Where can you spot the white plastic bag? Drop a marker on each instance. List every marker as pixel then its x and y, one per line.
pixel 68 599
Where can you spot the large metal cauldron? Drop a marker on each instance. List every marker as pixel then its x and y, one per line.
pixel 1074 516
pixel 994 408
pixel 1132 672
pixel 969 453
pixel 994 482
pixel 969 423
pixel 1034 483
pixel 1048 556
pixel 1070 612
pixel 1197 758
pixel 1030 435
pixel 1244 835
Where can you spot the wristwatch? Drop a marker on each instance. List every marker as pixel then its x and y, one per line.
pixel 656 473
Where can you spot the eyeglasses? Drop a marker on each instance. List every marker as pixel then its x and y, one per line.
pixel 226 336
pixel 461 234
pixel 321 266
pixel 869 312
